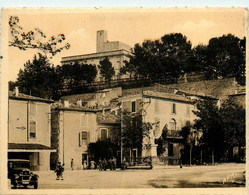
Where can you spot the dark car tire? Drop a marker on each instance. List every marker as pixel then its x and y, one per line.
pixel 35 185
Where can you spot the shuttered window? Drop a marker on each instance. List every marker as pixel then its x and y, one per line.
pixel 84 120
pixel 133 106
pixel 156 107
pixel 103 134
pixel 84 138
pixel 32 129
pixel 174 108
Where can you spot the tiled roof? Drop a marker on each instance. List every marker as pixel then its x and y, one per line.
pixel 75 107
pixel 216 88
pixel 22 96
pixel 108 118
pixel 75 97
pixel 167 96
pixel 28 146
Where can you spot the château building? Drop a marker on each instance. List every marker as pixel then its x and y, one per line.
pixel 116 51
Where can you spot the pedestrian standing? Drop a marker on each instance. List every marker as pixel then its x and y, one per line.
pixel 84 164
pixel 104 164
pixel 114 163
pixel 72 164
pixel 62 170
pixel 92 164
pixel 100 164
pixel 110 164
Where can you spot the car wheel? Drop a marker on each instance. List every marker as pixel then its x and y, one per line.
pixel 35 185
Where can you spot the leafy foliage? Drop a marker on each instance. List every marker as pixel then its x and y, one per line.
pixel 134 130
pixel 233 120
pixel 35 39
pixel 39 78
pixel 106 69
pixel 102 149
pixel 166 58
pixel 172 56
pixel 225 57
pixel 222 128
pixel 74 74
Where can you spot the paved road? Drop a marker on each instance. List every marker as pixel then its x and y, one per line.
pixel 158 177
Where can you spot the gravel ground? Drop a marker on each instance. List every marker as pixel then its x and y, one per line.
pixel 223 175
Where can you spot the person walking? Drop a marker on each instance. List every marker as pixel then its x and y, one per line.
pixel 72 164
pixel 59 169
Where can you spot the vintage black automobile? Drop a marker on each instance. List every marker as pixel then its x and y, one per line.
pixel 19 173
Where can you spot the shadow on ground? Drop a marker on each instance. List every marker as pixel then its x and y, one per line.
pixel 239 181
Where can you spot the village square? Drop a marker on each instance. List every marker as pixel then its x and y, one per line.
pixel 164 113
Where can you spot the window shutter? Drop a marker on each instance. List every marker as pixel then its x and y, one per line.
pixel 88 137
pixel 127 106
pixel 138 105
pixel 79 138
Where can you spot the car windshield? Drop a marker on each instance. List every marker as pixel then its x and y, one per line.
pixel 21 165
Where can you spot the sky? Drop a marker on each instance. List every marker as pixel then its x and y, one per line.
pixel 129 26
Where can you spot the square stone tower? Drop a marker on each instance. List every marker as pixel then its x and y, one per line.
pixel 101 39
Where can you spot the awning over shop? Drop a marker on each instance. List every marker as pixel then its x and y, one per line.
pixel 27 147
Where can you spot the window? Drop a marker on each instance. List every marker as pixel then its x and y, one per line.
pixel 32 129
pixel 84 120
pixel 103 134
pixel 32 110
pixel 83 138
pixel 133 106
pixel 174 108
pixel 156 107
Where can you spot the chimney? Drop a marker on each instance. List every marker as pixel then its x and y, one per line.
pixel 66 104
pixel 16 91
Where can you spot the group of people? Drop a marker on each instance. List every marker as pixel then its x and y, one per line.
pixel 59 171
pixel 104 164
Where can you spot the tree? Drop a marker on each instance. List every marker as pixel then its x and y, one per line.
pixel 167 58
pixel 106 69
pixel 211 126
pixel 39 78
pixel 34 39
pixel 198 60
pixel 191 138
pixel 134 130
pixel 225 57
pixel 74 75
pixel 102 149
pixel 130 68
pixel 233 120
